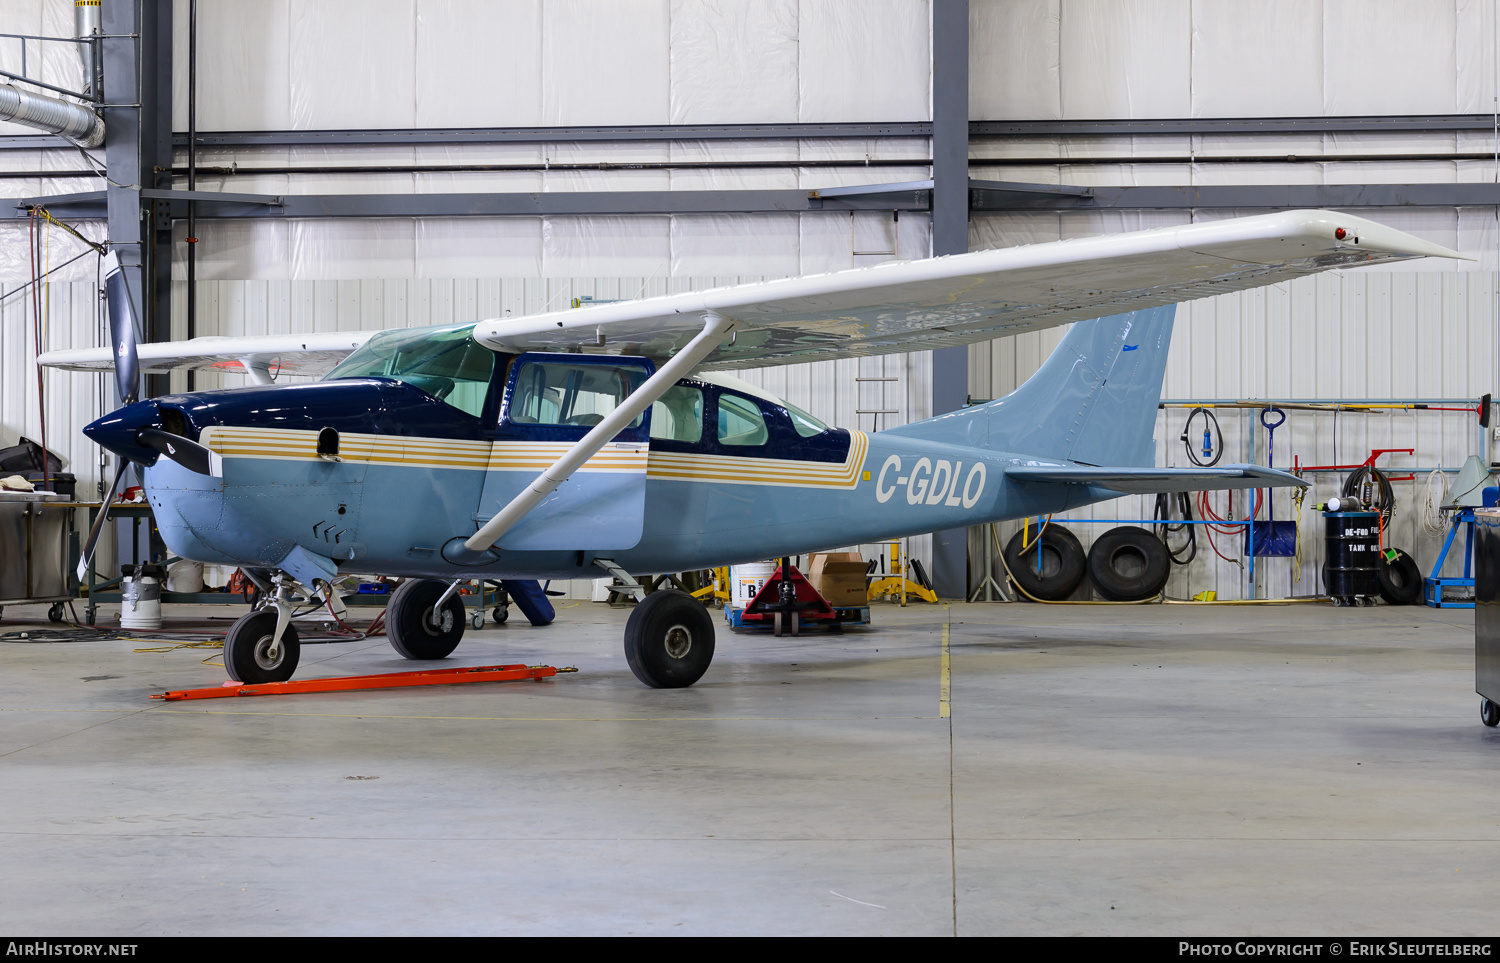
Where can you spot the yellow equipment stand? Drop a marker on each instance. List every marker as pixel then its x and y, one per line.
pixel 899 587
pixel 718 589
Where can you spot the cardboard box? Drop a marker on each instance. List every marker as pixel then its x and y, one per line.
pixel 839 577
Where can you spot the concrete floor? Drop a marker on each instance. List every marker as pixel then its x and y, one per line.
pixel 1105 770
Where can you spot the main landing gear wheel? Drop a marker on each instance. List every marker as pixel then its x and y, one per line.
pixel 411 626
pixel 669 640
pixel 247 649
pixel 1489 713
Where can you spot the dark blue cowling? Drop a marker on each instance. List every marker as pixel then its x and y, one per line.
pixel 375 406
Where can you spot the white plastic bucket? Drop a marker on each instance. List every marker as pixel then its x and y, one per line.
pixel 746 581
pixel 185 576
pixel 140 603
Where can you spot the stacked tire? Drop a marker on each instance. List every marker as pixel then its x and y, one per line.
pixel 1126 564
pixel 1048 566
pixel 1129 564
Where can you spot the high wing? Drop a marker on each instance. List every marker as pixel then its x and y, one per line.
pixel 262 357
pixel 963 298
pixel 1150 481
pixel 902 306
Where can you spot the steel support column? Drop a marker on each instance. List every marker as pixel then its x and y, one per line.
pixel 950 235
pixel 138 140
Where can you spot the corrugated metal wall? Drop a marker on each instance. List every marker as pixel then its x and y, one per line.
pixel 70 318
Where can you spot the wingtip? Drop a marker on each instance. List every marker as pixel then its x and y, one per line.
pixel 1365 234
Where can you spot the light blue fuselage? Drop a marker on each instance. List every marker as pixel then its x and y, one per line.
pixel 396 519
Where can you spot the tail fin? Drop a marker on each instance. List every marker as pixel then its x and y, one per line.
pixel 1093 401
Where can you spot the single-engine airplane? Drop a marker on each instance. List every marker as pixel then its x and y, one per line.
pixel 607 439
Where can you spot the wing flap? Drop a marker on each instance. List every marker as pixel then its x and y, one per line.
pixel 1149 481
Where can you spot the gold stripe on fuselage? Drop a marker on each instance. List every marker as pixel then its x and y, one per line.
pixel 736 470
pixel 291 444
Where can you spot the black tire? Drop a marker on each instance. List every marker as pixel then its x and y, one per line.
pixel 669 640
pixel 247 642
pixel 1489 713
pixel 501 613
pixel 1128 564
pixel 410 628
pixel 1400 580
pixel 1061 559
pixel 55 613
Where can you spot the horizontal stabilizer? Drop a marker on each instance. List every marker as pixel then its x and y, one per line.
pixel 1148 481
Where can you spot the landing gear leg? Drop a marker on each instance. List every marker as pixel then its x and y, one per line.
pixel 263 645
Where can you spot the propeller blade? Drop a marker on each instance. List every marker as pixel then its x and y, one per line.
pixel 122 337
pixel 188 454
pixel 87 555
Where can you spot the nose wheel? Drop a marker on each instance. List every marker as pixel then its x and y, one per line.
pixel 253 656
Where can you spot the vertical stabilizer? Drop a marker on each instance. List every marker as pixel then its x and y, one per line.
pixel 1092 401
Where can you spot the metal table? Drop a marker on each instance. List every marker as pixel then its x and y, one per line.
pixel 35 529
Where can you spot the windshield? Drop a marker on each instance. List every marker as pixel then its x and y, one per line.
pixel 447 363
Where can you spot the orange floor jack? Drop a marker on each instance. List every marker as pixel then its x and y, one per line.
pixel 390 680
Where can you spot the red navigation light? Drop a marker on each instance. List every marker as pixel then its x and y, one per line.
pixel 1340 233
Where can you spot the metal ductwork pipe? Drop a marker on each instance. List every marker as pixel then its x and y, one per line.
pixel 87 23
pixel 74 121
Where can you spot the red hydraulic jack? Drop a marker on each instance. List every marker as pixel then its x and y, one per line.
pixel 390 680
pixel 788 602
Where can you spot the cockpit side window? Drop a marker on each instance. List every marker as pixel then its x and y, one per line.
pixel 577 395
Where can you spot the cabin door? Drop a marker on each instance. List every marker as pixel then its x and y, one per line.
pixel 551 401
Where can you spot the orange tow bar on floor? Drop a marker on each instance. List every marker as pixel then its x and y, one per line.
pixel 391 680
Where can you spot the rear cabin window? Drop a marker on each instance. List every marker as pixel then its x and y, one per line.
pixel 807 426
pixel 678 415
pixel 741 422
pixel 576 395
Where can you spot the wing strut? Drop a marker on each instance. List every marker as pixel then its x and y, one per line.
pixel 716 330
